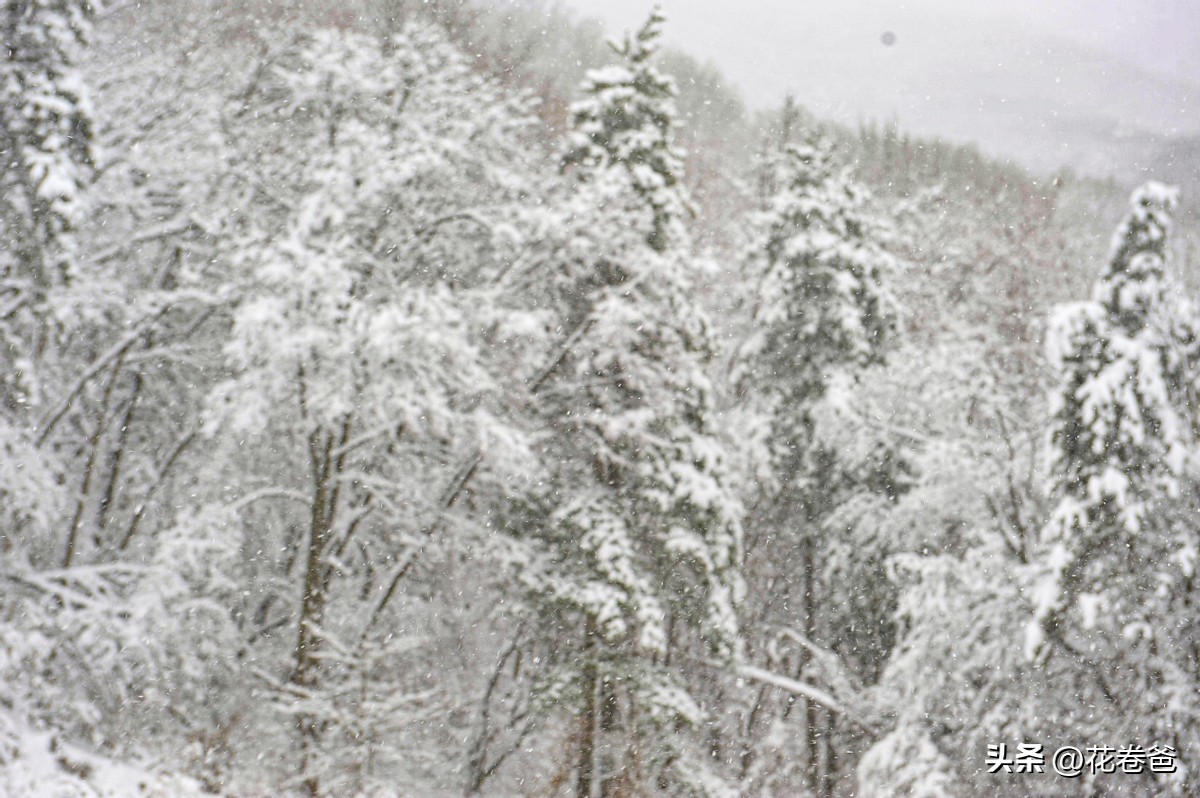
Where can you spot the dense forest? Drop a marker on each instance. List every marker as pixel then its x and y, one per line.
pixel 423 399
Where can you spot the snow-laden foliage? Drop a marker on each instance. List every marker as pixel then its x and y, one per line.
pixel 47 147
pixel 1117 441
pixel 631 546
pixel 624 125
pixel 822 264
pixel 46 124
pixel 366 259
pixel 822 310
pixel 34 762
pixel 1114 567
pixel 905 763
pixel 369 427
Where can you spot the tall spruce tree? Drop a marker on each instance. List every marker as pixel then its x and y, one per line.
pixel 822 263
pixel 822 309
pixel 626 121
pixel 632 549
pixel 1116 440
pixel 1114 590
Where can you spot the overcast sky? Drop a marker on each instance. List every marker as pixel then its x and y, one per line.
pixel 1036 80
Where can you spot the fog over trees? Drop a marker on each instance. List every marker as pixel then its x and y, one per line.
pixel 430 398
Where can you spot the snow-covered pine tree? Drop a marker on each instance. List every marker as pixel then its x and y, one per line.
pixel 45 163
pixel 1115 590
pixel 822 308
pixel 631 551
pixel 822 261
pixel 626 119
pixel 46 124
pixel 1116 441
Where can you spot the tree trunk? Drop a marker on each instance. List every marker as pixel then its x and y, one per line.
pixel 588 783
pixel 312 607
pixel 811 737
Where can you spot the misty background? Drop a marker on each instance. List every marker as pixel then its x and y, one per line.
pixel 1105 87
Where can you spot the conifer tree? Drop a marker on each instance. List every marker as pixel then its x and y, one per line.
pixel 1114 591
pixel 1116 441
pixel 822 308
pixel 45 122
pixel 45 163
pixel 626 121
pixel 633 548
pixel 822 263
